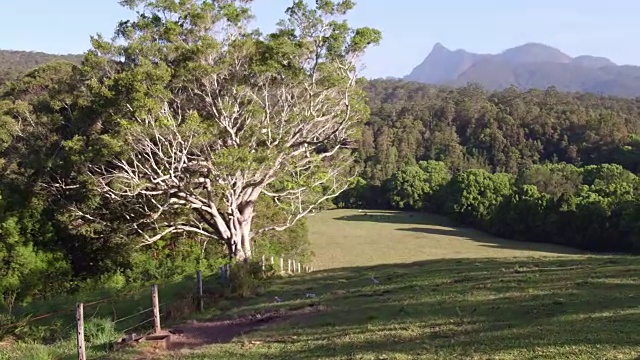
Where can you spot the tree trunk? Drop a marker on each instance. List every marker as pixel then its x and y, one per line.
pixel 245 228
pixel 234 246
pixel 236 233
pixel 245 237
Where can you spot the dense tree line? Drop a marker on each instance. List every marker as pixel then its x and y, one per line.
pixel 595 207
pixel 504 131
pixel 186 141
pixel 534 165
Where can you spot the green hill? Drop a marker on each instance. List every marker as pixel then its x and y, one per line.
pixel 485 298
pixel 14 63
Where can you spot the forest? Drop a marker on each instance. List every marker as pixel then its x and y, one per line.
pixel 14 63
pixel 542 166
pixel 173 147
pixel 126 167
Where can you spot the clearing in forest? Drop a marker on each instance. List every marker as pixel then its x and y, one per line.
pixel 410 286
pixel 343 238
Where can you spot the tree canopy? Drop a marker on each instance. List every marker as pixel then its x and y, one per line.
pixel 208 115
pixel 189 133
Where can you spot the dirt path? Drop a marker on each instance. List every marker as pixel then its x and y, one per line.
pixel 196 334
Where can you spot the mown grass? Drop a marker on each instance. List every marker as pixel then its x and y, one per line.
pixel 346 238
pixel 443 293
pixel 485 298
pixel 529 308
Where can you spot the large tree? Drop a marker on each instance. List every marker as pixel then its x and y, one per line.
pixel 204 115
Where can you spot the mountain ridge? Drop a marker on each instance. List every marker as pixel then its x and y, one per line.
pixel 531 65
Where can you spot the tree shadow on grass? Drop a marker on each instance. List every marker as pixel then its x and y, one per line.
pixel 397 217
pixel 463 309
pixel 437 225
pixel 495 242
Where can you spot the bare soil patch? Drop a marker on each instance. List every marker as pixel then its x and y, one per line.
pixel 197 334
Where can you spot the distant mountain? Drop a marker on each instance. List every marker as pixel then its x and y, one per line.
pixel 534 53
pixel 531 65
pixel 14 63
pixel 592 61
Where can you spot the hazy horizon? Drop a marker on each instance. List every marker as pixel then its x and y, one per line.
pixel 410 28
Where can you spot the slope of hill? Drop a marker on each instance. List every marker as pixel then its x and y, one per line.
pixel 528 66
pixel 448 305
pixel 14 63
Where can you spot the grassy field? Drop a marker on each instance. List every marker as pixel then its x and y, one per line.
pixel 580 308
pixel 352 238
pixel 440 292
pixel 471 296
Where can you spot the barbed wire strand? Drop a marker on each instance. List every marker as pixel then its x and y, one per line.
pixel 144 322
pixel 132 315
pixel 138 324
pixel 44 316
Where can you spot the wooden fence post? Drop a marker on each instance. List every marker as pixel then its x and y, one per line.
pixel 289 266
pixel 299 267
pixel 200 299
pixel 82 355
pixel 272 263
pixel 263 263
pixel 281 265
pixel 156 308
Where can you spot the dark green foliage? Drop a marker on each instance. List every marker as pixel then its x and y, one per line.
pixel 595 208
pixel 522 215
pixel 363 195
pixel 553 179
pixel 541 166
pixel 506 131
pixel 473 195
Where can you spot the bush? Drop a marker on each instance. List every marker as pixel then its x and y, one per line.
pixel 473 196
pixel 245 278
pixel 99 332
pixel 595 208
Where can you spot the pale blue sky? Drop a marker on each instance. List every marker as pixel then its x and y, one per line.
pixel 410 27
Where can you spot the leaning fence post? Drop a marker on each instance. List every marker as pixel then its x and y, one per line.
pixel 156 308
pixel 199 282
pixel 82 355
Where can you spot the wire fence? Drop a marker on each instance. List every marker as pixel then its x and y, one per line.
pixel 150 314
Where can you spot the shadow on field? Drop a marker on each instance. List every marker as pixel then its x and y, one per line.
pixel 462 309
pixel 437 225
pixel 397 217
